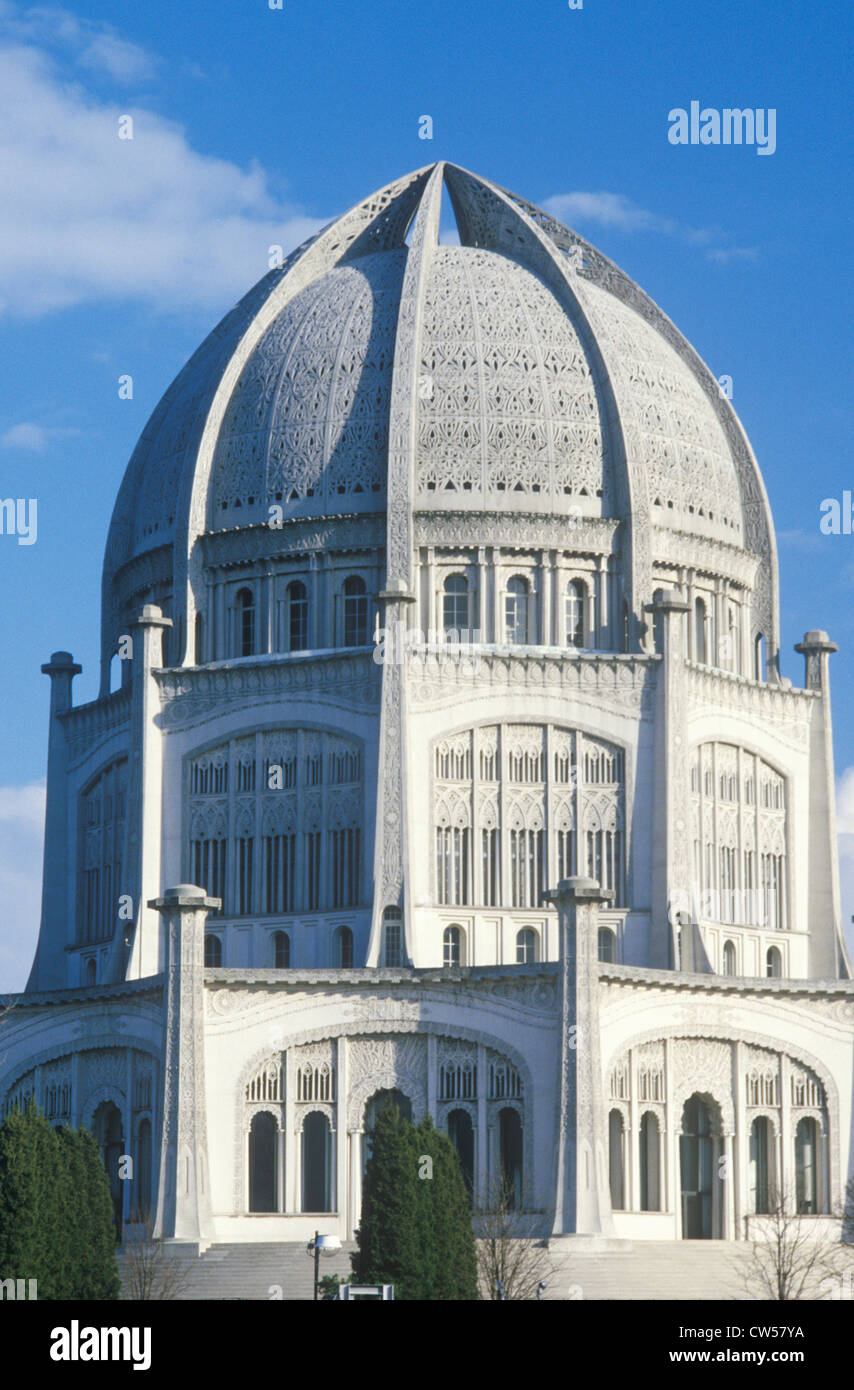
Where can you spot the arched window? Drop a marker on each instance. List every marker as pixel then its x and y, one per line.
pixel 773 963
pixel 213 951
pixel 455 608
pixel 91 971
pixel 700 645
pixel 344 948
pixel 297 616
pixel 625 628
pixel 607 945
pixel 392 936
pixel 281 950
pixel 760 1150
pixel 199 635
pixel 461 1135
pixel 576 608
pixel 729 958
pixel 759 658
pixel 650 1154
pixel 806 1166
pixel 510 1150
pixel 516 612
pixel 526 946
pixel 316 1163
pixel 452 946
pixel 355 612
pixel 263 1136
pixel 615 1158
pixel 142 1172
pixel 245 619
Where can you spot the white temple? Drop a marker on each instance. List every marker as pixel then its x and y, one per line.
pixel 450 757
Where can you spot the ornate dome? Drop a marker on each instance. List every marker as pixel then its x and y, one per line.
pixel 519 372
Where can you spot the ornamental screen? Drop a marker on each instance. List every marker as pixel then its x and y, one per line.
pixel 275 822
pixel 739 837
pixel 517 807
pixel 102 829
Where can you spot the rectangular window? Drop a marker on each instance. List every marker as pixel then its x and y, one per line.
pixel 452 865
pixel 344 854
pixel 244 856
pixel 312 871
pixel 489 841
pixel 279 866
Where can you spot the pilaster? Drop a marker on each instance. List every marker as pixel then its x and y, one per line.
pixel 582 1197
pixel 183 1209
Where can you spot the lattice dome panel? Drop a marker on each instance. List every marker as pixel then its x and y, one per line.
pixel 508 406
pixel 308 420
pixel 691 475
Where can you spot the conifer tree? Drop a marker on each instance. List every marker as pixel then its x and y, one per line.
pixel 388 1235
pixel 447 1216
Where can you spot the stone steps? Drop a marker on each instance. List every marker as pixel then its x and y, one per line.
pixel 648 1270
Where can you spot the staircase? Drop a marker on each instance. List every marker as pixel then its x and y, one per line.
pixel 263 1271
pixel 649 1270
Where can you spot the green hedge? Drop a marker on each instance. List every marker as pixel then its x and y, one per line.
pixel 56 1216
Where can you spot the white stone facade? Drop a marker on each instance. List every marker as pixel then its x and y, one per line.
pixel 449 576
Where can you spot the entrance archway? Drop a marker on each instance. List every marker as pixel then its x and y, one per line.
pixel 263 1139
pixel 461 1135
pixel 510 1141
pixel 698 1146
pixel 316 1163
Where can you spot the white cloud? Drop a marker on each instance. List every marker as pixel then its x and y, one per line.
pixel 86 216
pixel 616 211
pixel 31 438
pixel 21 840
pixel 606 209
pixel 94 45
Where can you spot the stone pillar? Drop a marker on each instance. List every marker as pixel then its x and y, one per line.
pixel 340 1136
pixel 672 869
pixel 828 953
pixel 582 1197
pixel 56 932
pixel 183 1209
pixel 137 951
pixel 355 1212
pixel 392 884
pixel 290 1194
pixel 729 1176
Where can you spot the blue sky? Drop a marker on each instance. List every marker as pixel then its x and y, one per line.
pixel 254 126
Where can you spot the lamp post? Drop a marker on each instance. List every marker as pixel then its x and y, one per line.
pixel 328 1246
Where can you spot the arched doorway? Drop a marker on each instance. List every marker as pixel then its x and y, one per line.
pixel 697 1147
pixel 107 1129
pixel 650 1162
pixel 761 1148
pixel 616 1180
pixel 316 1163
pixel 461 1135
pixel 510 1146
pixel 263 1135
pixel 807 1167
pixel 142 1172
